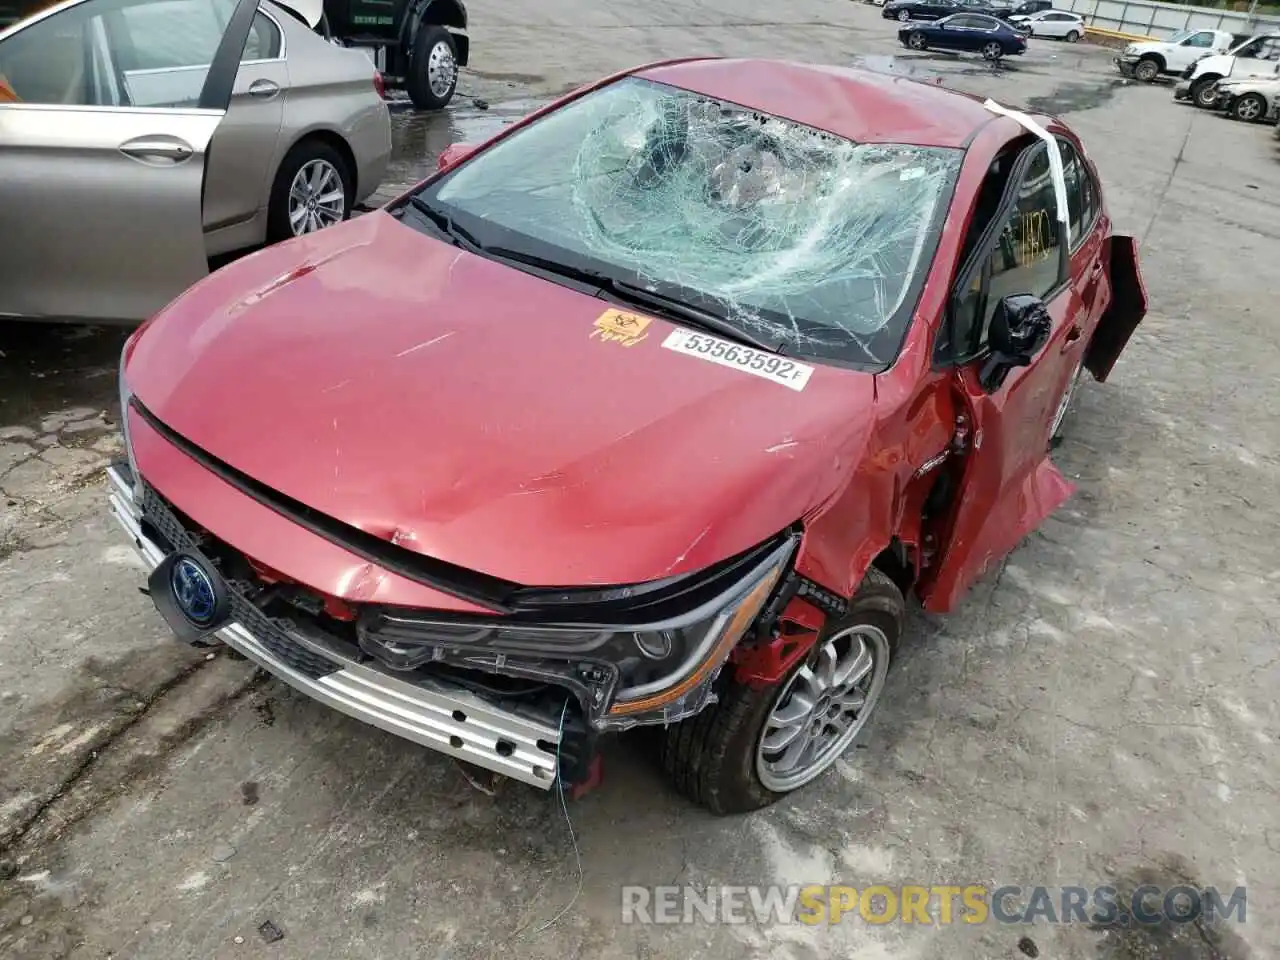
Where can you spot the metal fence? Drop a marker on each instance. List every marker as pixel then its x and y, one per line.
pixel 1162 20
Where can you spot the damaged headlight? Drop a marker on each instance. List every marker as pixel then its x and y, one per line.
pixel 638 668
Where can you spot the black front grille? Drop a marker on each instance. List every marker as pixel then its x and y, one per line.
pixel 270 632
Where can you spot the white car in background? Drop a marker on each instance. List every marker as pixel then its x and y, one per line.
pixel 1251 99
pixel 1054 24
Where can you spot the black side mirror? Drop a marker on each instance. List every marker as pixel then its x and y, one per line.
pixel 1020 328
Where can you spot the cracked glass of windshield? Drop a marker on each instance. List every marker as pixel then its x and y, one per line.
pixel 797 237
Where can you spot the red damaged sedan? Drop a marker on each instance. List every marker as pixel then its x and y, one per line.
pixel 649 410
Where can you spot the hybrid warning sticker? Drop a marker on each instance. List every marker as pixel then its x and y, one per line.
pixel 761 363
pixel 621 327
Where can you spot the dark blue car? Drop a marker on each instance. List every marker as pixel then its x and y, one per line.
pixel 969 32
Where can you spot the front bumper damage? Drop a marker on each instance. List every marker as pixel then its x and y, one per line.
pixel 530 747
pixel 525 694
pixel 1125 64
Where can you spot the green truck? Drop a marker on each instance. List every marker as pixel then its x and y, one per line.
pixel 417 44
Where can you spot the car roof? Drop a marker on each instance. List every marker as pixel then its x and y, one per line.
pixel 861 105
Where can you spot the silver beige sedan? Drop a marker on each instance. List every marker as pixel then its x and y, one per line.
pixel 138 138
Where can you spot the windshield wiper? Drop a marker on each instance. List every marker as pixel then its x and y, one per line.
pixel 443 222
pixel 706 319
pixel 633 294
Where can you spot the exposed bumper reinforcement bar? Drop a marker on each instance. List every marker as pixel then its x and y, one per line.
pixel 452 721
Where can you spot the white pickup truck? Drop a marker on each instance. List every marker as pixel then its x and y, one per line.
pixel 1257 57
pixel 1149 59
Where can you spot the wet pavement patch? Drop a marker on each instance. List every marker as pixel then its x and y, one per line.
pixel 418 137
pixel 48 366
pixel 1073 97
pixel 1201 938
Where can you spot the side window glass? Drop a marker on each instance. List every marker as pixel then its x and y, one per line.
pixel 264 40
pixel 143 53
pixel 1075 202
pixel 1200 40
pixel 47 63
pixel 164 49
pixel 1088 197
pixel 1026 256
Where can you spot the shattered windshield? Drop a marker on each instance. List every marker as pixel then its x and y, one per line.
pixel 801 239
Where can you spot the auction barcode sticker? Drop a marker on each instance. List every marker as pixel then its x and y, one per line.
pixel 761 363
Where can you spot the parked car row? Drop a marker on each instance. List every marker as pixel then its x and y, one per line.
pixel 1148 60
pixel 1201 79
pixel 988 27
pixel 1244 83
pixel 904 10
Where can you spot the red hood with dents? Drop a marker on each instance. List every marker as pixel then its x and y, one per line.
pixel 461 409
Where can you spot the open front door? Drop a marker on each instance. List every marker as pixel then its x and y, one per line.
pixel 105 138
pixel 1008 484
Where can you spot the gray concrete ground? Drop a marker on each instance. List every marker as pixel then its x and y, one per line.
pixel 1102 710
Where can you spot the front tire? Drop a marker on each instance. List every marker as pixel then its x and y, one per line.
pixel 754 747
pixel 904 16
pixel 916 41
pixel 1146 70
pixel 313 189
pixel 433 69
pixel 1203 93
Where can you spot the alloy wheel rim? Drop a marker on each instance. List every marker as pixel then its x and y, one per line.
pixel 317 198
pixel 1146 70
pixel 1248 109
pixel 916 41
pixel 1208 94
pixel 904 16
pixel 442 69
pixel 991 51
pixel 822 708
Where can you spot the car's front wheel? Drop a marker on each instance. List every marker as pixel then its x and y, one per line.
pixel 1146 70
pixel 1204 92
pixel 313 189
pixel 904 16
pixel 916 41
pixel 755 746
pixel 992 51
